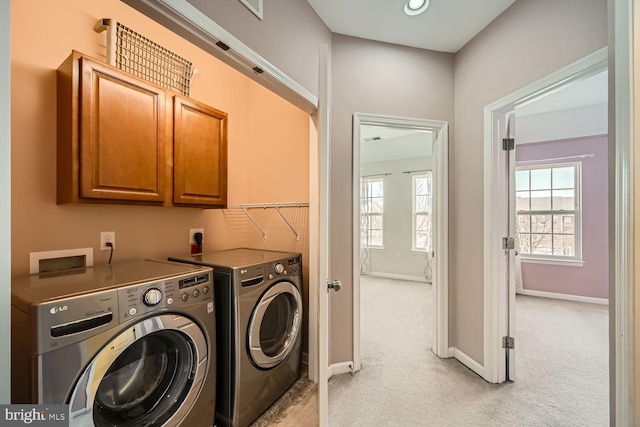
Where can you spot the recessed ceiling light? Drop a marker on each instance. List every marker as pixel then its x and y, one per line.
pixel 416 7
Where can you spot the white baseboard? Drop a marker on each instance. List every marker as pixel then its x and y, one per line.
pixel 340 368
pixel 398 276
pixel 468 362
pixel 451 352
pixel 567 297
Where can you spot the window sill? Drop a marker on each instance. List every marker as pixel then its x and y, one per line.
pixel 376 248
pixel 550 261
pixel 418 252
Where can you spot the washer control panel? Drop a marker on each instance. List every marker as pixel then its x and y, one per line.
pixel 136 300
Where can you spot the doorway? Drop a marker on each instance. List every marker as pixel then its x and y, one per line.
pixel 437 262
pixel 500 224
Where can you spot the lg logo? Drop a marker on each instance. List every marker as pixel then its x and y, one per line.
pixel 54 310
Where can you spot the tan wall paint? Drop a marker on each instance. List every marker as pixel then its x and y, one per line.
pixel 374 78
pixel 528 41
pixel 268 145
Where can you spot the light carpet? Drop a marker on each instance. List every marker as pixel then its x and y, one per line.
pixel 562 367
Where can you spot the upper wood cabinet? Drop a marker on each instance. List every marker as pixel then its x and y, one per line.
pixel 111 135
pixel 117 136
pixel 199 154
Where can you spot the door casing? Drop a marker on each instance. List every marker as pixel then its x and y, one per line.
pixel 496 208
pixel 440 228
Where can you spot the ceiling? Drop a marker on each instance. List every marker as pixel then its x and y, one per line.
pixel 590 91
pixel 446 26
pixel 379 143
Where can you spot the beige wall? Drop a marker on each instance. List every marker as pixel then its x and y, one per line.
pixel 528 41
pixel 268 146
pixel 374 78
pixel 289 36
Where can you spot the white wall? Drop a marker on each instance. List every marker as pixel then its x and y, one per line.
pixel 397 258
pixel 5 202
pixel 529 41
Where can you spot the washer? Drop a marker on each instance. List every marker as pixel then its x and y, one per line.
pixel 127 344
pixel 259 314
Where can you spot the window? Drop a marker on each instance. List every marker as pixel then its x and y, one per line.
pixel 372 210
pixel 422 212
pixel 548 211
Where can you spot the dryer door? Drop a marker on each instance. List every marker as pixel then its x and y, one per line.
pixel 275 325
pixel 150 374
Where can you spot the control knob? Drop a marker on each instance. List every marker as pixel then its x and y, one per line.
pixel 278 268
pixel 152 297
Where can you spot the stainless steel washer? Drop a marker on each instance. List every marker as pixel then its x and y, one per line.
pixel 128 344
pixel 259 314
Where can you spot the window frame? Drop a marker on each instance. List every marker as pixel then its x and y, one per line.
pixel 371 214
pixel 576 259
pixel 414 213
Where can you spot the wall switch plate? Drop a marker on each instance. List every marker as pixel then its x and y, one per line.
pixel 107 236
pixel 193 231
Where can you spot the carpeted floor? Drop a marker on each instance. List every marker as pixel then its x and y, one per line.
pixel 562 367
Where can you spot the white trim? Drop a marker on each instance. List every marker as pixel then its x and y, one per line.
pixel 496 208
pixel 340 368
pixel 440 193
pixel 321 228
pixel 468 362
pixel 398 276
pixel 201 27
pixel 451 352
pixel 623 95
pixel 566 297
pixel 36 257
pixel 547 261
pixel 5 198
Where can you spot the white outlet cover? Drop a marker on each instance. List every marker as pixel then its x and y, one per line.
pixel 193 231
pixel 107 236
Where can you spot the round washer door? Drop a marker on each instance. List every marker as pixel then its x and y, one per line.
pixel 274 325
pixel 149 374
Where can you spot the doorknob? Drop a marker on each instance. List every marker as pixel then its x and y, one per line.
pixel 336 285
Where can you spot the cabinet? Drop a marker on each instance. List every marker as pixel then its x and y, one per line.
pixel 117 135
pixel 199 144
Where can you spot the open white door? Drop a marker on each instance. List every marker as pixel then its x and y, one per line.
pixel 509 247
pixel 324 89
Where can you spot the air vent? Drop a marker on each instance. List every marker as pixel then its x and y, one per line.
pixel 255 6
pixel 222 46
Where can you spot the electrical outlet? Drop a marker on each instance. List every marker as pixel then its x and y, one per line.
pixel 193 231
pixel 107 236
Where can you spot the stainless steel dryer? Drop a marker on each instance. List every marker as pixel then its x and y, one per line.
pixel 259 315
pixel 128 344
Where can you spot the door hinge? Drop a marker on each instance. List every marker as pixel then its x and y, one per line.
pixel 508 243
pixel 508 144
pixel 508 342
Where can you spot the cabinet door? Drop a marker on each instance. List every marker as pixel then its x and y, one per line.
pixel 200 154
pixel 122 136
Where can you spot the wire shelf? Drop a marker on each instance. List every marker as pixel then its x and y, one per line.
pixel 146 59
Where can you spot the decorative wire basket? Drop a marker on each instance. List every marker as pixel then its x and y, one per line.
pixel 146 59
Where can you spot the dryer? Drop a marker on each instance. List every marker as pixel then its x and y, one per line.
pixel 259 316
pixel 127 344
